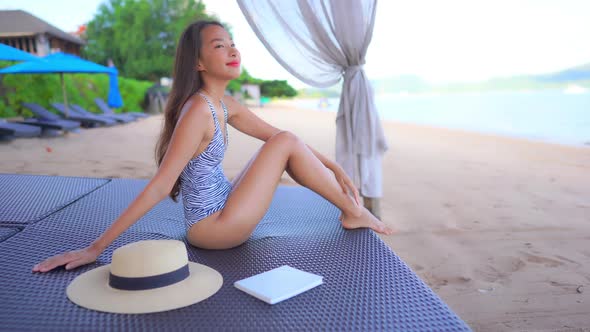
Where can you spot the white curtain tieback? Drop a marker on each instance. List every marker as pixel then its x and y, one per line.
pixel 352 69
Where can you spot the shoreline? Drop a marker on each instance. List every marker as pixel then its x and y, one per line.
pixel 296 104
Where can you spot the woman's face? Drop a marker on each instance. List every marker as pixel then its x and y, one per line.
pixel 219 57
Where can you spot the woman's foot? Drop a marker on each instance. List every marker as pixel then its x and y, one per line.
pixel 365 219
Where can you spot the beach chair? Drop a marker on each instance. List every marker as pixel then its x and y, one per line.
pixel 6 131
pixel 47 120
pixel 10 130
pixel 107 110
pixel 114 119
pixel 367 287
pixel 86 120
pixel 6 134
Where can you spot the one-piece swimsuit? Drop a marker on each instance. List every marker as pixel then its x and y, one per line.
pixel 203 185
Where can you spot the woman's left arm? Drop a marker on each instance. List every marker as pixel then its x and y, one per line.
pixel 341 176
pixel 244 120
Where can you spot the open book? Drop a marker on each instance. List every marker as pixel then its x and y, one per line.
pixel 279 284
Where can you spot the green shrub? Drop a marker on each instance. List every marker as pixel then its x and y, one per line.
pixel 81 89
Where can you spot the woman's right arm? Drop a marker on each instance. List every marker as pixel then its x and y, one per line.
pixel 187 136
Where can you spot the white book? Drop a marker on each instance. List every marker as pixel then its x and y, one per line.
pixel 279 284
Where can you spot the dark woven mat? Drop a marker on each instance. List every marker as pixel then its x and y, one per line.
pixel 6 232
pixel 29 198
pixel 366 286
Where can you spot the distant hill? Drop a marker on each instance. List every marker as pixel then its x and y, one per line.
pixel 331 92
pixel 403 83
pixel 579 76
pixel 580 73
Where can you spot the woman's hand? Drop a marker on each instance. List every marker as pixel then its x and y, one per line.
pixel 71 260
pixel 345 182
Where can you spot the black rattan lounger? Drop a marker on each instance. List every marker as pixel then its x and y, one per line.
pixel 85 120
pixel 107 110
pixel 108 119
pixel 45 119
pixel 366 286
pixel 9 130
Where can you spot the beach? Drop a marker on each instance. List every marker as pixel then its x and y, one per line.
pixel 498 227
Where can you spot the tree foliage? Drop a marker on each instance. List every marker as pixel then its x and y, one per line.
pixel 245 78
pixel 276 88
pixel 272 88
pixel 81 89
pixel 140 36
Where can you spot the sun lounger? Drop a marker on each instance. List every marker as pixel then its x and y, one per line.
pixel 41 113
pixel 112 120
pixel 27 199
pixel 4 131
pixel 85 120
pixel 366 285
pixel 45 119
pixel 6 134
pixel 12 129
pixel 64 125
pixel 139 115
pixel 6 232
pixel 107 110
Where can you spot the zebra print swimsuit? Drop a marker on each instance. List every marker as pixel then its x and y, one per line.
pixel 203 185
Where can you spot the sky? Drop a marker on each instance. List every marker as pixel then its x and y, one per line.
pixel 440 41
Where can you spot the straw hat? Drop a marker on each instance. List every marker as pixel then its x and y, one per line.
pixel 145 276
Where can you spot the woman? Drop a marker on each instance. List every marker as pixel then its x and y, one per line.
pixel 220 214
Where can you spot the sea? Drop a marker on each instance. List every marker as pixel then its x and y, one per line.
pixel 555 116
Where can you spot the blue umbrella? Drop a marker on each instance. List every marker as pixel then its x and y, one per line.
pixel 114 99
pixel 58 63
pixel 14 54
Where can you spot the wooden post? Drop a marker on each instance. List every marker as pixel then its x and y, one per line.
pixel 373 205
pixel 63 88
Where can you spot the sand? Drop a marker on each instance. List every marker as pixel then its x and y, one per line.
pixel 498 227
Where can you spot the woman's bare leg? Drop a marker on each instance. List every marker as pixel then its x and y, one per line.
pixel 253 192
pixel 240 175
pixel 350 222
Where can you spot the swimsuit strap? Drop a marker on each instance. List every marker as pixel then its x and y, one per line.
pixel 225 123
pixel 212 108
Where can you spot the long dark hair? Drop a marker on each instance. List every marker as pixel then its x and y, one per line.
pixel 186 82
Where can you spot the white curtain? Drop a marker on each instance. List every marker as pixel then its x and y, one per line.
pixel 321 42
